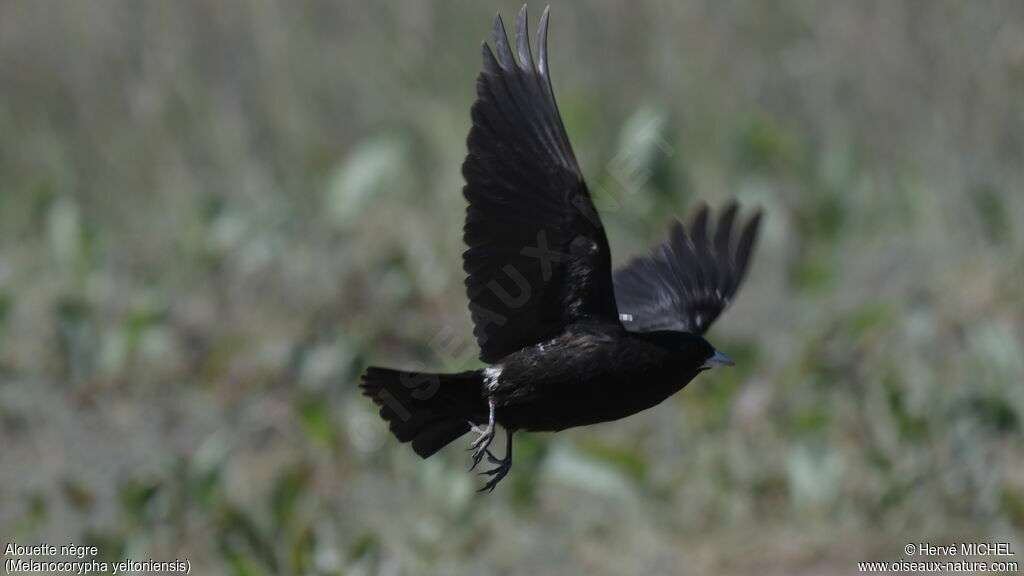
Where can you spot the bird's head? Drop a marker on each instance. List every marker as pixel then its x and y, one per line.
pixel 701 353
pixel 691 350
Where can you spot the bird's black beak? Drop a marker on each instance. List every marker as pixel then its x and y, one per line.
pixel 717 360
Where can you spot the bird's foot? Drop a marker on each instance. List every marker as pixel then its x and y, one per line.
pixel 483 441
pixel 498 472
pixel 484 435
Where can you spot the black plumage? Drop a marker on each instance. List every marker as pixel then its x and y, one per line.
pixel 568 342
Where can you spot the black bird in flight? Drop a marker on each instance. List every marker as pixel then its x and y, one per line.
pixel 568 341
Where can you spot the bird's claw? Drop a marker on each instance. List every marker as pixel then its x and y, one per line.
pixel 497 473
pixel 481 445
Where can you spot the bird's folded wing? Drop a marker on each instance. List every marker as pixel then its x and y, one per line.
pixel 685 283
pixel 537 254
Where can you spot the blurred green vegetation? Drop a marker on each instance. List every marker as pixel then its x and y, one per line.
pixel 214 215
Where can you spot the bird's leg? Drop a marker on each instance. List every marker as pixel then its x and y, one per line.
pixel 503 465
pixel 484 436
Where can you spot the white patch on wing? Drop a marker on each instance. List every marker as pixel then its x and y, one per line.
pixel 543 346
pixel 491 377
pixel 625 317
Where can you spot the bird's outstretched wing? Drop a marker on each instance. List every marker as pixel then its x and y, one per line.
pixel 685 283
pixel 537 253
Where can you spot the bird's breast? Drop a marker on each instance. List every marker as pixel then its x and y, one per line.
pixel 576 388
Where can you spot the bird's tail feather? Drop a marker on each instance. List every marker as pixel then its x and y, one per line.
pixel 430 410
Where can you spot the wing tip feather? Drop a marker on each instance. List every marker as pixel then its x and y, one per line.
pixel 523 41
pixel 542 43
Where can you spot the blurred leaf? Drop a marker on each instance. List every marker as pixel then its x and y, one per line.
pixel 77 494
pixel 38 509
pixel 37 512
pixel 303 547
pixel 991 210
pixel 287 490
pixel 111 546
pixel 145 314
pixel 73 310
pixel 6 302
pixel 243 566
pixel 1012 504
pixel 396 283
pixel 895 493
pixel 448 487
pixel 372 168
pixel 869 319
pixel 573 468
pixel 243 542
pixel 911 426
pixel 625 459
pixel 219 358
pixel 206 473
pixel 364 545
pixel 994 350
pixel 767 144
pixel 206 487
pixel 74 336
pixel 642 168
pixel 878 459
pixel 64 231
pixel 315 416
pixel 813 473
pixel 530 451
pixel 829 215
pixel 113 354
pixel 993 412
pixel 813 274
pixel 137 497
pixel 811 420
